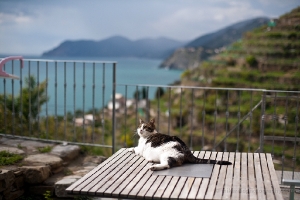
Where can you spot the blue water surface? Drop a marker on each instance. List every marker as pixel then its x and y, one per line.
pixel 85 85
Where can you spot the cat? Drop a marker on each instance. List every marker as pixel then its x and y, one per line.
pixel 164 150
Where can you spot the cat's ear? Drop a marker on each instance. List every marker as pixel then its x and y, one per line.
pixel 141 121
pixel 152 121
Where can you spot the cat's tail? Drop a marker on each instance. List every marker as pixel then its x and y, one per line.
pixel 193 159
pixel 224 162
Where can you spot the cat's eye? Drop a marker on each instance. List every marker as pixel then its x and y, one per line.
pixel 149 129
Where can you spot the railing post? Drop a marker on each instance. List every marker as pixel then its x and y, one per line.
pixel 262 122
pixel 113 110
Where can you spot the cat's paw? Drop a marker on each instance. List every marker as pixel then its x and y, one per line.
pixel 131 150
pixel 152 168
pixel 157 167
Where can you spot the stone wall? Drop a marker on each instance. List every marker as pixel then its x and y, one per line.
pixel 41 173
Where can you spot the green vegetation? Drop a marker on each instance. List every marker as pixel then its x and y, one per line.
pixel 7 158
pixel 251 61
pixel 48 195
pixel 67 172
pixel 17 115
pixel 46 149
pixel 267 58
pixel 24 108
pixel 91 150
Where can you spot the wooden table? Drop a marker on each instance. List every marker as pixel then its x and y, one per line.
pixel 126 175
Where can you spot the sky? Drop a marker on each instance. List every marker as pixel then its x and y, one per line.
pixel 31 27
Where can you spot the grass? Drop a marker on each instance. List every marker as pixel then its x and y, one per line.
pixel 7 158
pixel 46 149
pixel 91 150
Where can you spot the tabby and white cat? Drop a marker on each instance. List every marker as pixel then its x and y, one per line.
pixel 164 150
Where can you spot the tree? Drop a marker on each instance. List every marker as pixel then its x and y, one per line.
pixel 141 94
pixel 29 101
pixel 159 92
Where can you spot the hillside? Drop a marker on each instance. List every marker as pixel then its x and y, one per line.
pixel 116 47
pixel 268 57
pixel 202 47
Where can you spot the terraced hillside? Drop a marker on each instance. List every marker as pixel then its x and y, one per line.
pixel 268 57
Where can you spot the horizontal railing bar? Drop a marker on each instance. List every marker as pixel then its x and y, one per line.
pixel 281 97
pixel 280 138
pixel 283 91
pixel 68 61
pixel 210 88
pixel 193 87
pixel 54 141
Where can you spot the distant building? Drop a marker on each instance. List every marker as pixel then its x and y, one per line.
pixel 120 102
pixel 87 120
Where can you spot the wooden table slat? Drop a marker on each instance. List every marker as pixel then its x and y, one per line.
pixel 266 176
pixel 95 184
pixel 178 188
pixel 134 186
pixel 229 177
pixel 205 181
pixel 244 177
pixel 118 173
pixel 170 187
pixel 197 182
pixel 126 175
pixel 214 177
pixel 187 187
pixel 221 178
pixel 85 180
pixel 236 177
pixel 189 183
pixel 139 169
pixel 146 186
pixel 275 182
pixel 259 179
pixel 92 174
pixel 150 193
pixel 251 179
pixel 161 189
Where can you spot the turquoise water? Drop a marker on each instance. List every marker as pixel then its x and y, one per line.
pixel 66 97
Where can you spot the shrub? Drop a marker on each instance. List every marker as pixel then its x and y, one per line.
pixel 251 61
pixel 230 61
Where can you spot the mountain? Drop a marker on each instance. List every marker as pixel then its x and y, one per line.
pixel 116 46
pixel 228 35
pixel 267 57
pixel 207 45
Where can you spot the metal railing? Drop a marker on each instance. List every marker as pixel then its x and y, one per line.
pixel 57 101
pixel 218 119
pixel 78 102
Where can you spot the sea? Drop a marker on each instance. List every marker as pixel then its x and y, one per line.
pixel 87 84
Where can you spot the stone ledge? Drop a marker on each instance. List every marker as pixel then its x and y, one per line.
pixel 63 184
pixel 39 173
pixel 35 174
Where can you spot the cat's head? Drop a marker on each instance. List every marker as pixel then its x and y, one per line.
pixel 146 129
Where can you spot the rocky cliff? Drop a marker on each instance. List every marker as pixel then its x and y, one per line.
pixel 210 44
